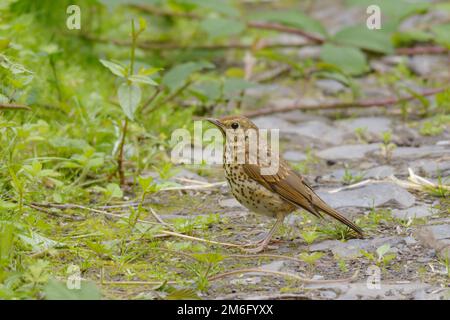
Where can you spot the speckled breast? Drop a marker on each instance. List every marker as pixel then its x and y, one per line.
pixel 254 196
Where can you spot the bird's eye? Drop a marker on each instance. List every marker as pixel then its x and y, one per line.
pixel 235 125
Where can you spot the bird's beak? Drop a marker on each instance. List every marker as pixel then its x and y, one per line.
pixel 217 123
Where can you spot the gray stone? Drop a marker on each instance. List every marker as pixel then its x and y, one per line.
pixel 372 125
pixel 424 65
pixel 320 131
pixel 419 152
pixel 368 196
pixel 297 116
pixel 386 290
pixel 340 173
pixel 274 265
pixel 271 122
pixel 436 237
pixel 294 156
pixel 379 172
pixel 413 212
pixel 245 281
pixel 330 86
pixel 375 173
pixel 432 168
pixel 183 173
pixel 348 152
pixel 352 248
pixel 230 203
pixel 269 90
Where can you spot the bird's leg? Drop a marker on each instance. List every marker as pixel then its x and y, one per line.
pixel 262 244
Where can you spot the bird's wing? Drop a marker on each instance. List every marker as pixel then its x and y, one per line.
pixel 293 188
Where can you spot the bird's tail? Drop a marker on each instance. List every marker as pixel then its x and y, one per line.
pixel 322 206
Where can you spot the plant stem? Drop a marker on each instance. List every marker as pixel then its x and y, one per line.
pixel 133 47
pixel 120 156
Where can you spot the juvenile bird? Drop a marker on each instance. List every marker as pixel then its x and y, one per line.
pixel 276 194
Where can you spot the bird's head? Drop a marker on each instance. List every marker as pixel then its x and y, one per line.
pixel 233 123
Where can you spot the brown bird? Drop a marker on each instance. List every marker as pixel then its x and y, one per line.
pixel 274 195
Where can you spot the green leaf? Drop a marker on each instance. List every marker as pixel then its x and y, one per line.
pixel 361 37
pixel 114 191
pixel 182 294
pixel 142 79
pixel 177 76
pixel 56 290
pixel 219 6
pixel 381 251
pixel 407 38
pixel 396 10
pixel 220 27
pixel 115 68
pixel 350 60
pixel 233 86
pixel 129 98
pixel 442 34
pixel 4 43
pixel 142 24
pixel 293 19
pixel 212 257
pixel 145 182
pixel 208 90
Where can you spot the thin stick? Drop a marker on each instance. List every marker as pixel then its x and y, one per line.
pixel 285 29
pixel 342 105
pixel 283 274
pixel 14 106
pixel 356 185
pixel 262 256
pixel 421 50
pixel 197 187
pixel 158 218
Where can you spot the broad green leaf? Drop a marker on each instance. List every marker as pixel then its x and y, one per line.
pixel 115 68
pixel 129 98
pixel 56 290
pixel 142 79
pixel 209 90
pixel 350 60
pixel 148 71
pixel 220 27
pixel 291 18
pixel 114 190
pixel 407 38
pixel 177 76
pixel 442 33
pixel 233 86
pixel 397 9
pixel 219 6
pixel 381 251
pixel 361 37
pixel 145 182
pixel 39 242
pixel 212 258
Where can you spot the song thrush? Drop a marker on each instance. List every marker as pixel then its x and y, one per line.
pixel 274 195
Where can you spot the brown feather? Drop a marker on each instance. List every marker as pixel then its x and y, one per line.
pixel 292 187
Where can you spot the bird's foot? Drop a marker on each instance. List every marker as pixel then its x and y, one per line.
pixel 257 247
